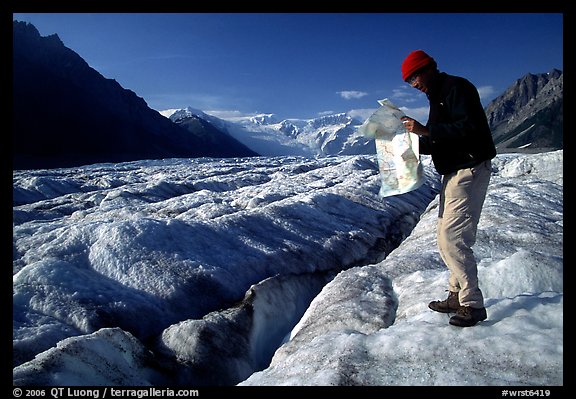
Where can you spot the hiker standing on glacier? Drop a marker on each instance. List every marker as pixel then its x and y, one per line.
pixel 458 138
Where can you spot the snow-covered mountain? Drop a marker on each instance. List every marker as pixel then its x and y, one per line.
pixel 324 136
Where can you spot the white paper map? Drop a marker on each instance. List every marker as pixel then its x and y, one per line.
pixel 396 149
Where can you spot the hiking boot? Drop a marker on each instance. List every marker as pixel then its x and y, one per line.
pixel 467 316
pixel 449 305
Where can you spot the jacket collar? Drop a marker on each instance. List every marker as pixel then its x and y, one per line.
pixel 436 85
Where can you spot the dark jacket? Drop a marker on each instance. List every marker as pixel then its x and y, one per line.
pixel 459 133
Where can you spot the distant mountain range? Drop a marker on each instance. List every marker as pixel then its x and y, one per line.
pixel 527 117
pixel 328 135
pixel 67 114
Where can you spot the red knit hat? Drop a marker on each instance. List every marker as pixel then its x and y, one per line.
pixel 415 61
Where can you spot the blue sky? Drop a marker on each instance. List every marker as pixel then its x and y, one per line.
pixel 300 65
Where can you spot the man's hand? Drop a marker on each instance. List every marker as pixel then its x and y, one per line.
pixel 413 126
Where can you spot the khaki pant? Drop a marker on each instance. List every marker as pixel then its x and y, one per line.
pixel 461 201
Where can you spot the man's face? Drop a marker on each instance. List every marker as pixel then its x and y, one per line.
pixel 421 80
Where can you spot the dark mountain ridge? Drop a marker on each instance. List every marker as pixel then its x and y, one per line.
pixel 65 113
pixel 528 116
